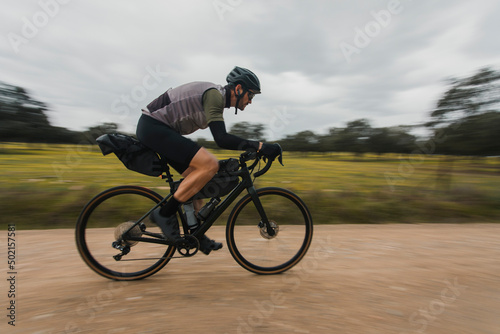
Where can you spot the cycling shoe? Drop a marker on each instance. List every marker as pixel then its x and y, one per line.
pixel 207 245
pixel 168 225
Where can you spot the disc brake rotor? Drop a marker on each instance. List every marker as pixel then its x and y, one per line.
pixel 263 229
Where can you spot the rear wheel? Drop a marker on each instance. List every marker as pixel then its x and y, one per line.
pixel 264 251
pixel 100 240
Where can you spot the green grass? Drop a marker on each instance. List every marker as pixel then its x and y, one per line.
pixel 46 186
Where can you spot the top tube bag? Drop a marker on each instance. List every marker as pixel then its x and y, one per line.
pixel 132 153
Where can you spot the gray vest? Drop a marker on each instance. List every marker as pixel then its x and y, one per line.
pixel 181 108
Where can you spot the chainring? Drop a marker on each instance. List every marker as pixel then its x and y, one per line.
pixel 188 246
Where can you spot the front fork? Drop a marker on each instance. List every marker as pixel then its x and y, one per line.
pixel 262 213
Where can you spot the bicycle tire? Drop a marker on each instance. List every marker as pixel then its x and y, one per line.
pixel 94 239
pixel 253 248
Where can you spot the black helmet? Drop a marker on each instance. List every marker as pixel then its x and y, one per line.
pixel 246 78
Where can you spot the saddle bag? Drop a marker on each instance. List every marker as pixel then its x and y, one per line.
pixel 132 153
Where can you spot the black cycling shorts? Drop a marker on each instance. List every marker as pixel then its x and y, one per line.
pixel 178 150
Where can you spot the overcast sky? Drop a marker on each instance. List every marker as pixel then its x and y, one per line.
pixel 321 63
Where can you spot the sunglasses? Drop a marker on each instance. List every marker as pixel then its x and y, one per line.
pixel 251 95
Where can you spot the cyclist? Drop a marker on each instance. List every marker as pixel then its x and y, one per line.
pixel 181 111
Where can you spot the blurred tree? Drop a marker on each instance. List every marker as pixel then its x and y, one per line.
pixel 391 140
pixel 23 118
pixel 472 95
pixel 354 137
pixel 248 130
pixel 304 141
pixel 466 118
pixel 380 141
pixel 472 135
pixel 327 143
pixel 19 113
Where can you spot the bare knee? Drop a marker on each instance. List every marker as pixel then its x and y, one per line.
pixel 213 166
pixel 205 161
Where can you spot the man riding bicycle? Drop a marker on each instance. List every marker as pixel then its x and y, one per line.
pixel 183 110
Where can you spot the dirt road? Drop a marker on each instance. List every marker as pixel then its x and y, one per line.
pixel 355 279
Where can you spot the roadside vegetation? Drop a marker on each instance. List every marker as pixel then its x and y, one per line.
pixel 47 185
pixel 352 174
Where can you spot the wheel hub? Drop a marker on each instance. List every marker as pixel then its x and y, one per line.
pixel 134 232
pixel 264 231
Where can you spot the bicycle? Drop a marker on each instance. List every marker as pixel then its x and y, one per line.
pixel 268 231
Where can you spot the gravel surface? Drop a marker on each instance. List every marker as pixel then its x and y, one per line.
pixel 429 278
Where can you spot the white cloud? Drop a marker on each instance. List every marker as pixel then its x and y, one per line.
pixel 92 53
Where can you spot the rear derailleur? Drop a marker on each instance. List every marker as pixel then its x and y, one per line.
pixel 125 249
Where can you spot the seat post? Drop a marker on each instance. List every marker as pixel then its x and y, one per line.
pixel 166 172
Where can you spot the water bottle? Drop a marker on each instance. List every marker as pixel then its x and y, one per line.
pixel 192 221
pixel 208 208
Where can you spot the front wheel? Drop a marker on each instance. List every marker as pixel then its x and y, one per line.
pixel 269 251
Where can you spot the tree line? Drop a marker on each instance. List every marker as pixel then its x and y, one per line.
pixel 358 137
pixel 465 121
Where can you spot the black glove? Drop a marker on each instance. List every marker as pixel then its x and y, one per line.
pixel 270 151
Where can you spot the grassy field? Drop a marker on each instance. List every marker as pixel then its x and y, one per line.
pixel 46 186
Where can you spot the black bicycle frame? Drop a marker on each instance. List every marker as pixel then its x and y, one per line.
pixel 246 183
